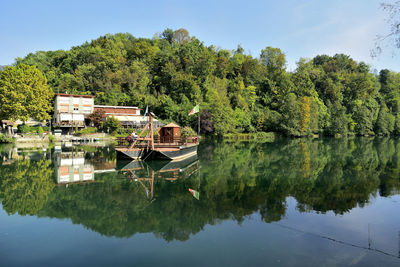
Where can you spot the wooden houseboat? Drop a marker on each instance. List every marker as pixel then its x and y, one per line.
pixel 168 145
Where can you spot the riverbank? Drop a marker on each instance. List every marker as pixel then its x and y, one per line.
pixel 259 136
pixel 44 138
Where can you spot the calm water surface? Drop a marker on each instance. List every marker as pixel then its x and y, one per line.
pixel 331 202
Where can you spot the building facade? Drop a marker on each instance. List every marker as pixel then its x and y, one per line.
pixel 129 117
pixel 70 111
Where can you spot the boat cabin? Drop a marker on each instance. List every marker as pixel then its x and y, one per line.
pixel 169 133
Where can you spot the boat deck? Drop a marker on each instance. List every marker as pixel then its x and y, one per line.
pixel 179 149
pixel 160 144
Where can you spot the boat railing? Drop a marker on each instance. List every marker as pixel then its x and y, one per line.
pixel 175 140
pixel 164 141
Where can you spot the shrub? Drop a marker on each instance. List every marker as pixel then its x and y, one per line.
pixel 126 131
pixel 23 128
pixel 111 124
pixel 89 130
pixel 51 138
pixel 265 135
pixel 97 118
pixel 6 139
pixel 188 132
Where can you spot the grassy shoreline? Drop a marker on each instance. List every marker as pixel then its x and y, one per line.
pixel 250 136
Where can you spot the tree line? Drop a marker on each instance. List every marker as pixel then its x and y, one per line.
pixel 173 71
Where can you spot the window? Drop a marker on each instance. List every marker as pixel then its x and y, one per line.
pixel 87 110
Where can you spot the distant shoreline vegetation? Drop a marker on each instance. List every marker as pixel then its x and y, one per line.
pixel 249 136
pixel 237 93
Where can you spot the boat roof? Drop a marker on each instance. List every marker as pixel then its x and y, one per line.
pixel 171 125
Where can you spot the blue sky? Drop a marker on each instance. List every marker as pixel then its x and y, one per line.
pixel 301 28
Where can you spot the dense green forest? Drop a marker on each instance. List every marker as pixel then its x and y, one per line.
pixel 235 181
pixel 237 92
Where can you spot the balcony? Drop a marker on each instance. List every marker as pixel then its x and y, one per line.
pixel 69 124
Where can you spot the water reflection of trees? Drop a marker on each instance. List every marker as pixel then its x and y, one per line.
pixel 325 175
pixel 25 186
pixel 236 180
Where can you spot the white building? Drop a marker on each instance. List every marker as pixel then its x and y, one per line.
pixel 70 111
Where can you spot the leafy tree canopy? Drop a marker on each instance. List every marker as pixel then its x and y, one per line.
pixel 173 72
pixel 24 94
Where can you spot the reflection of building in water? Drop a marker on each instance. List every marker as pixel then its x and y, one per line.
pixel 75 167
pixel 14 154
pixel 9 156
pixel 71 168
pixel 80 166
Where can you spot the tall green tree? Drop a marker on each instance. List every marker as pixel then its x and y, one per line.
pixel 274 59
pixel 24 94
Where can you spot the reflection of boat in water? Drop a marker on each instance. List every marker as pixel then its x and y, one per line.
pixel 164 165
pixel 168 145
pixel 145 172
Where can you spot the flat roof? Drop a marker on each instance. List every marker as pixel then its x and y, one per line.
pixel 101 106
pixel 85 96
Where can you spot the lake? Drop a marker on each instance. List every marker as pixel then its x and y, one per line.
pixel 303 202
